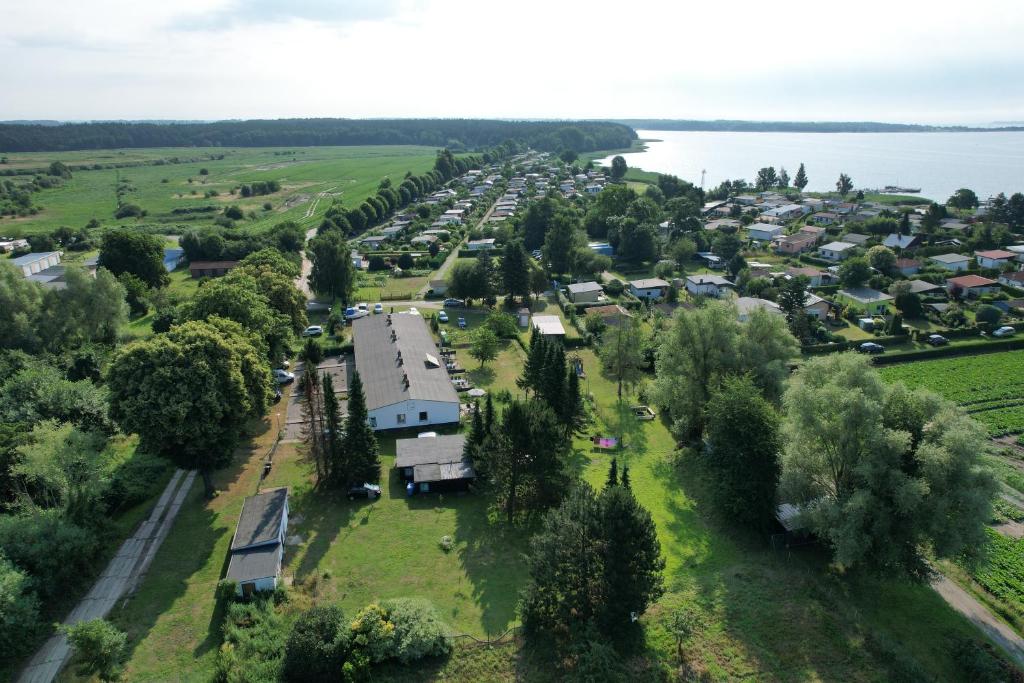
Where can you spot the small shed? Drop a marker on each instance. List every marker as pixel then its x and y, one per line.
pixel 434 463
pixel 257 548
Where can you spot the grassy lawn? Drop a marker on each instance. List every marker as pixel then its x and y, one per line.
pixel 351 173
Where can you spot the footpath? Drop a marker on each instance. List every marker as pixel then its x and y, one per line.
pixel 120 578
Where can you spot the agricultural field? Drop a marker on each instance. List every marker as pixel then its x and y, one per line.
pixel 988 386
pixel 170 179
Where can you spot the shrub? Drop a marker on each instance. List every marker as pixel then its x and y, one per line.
pixel 99 647
pixel 134 480
pixel 446 543
pixel 502 324
pixel 418 630
pixel 56 553
pixel 19 609
pixel 614 287
pixel 312 352
pixel 377 264
pixel 980 664
pixel 317 645
pixel 373 634
pixel 129 211
pixel 227 589
pixel 254 642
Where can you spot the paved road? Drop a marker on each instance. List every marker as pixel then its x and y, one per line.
pixel 963 602
pixel 119 578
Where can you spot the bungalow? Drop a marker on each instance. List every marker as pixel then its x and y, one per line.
pixel 648 288
pixel 786 212
pixel 908 266
pixel 449 219
pixel 434 462
pixel 954 262
pixel 173 258
pixel 198 269
pixel 374 241
pixel 1018 250
pixel 709 207
pixel 7 244
pixel 794 244
pixel 746 305
pixel 870 300
pixel 816 307
pixel 612 314
pixel 895 240
pixel 257 548
pixel 593 188
pixel 439 233
pixel 602 248
pixel 30 264
pixel 813 230
pixel 1015 279
pixel 836 251
pixel 708 285
pixel 954 226
pixel 815 277
pixel 923 287
pixel 724 224
pixel 584 292
pixel 994 258
pixel 480 245
pixel 763 232
pixel 825 218
pixel 711 260
pixel 423 239
pixel 856 238
pixel 549 326
pixel 746 200
pixel 972 285
pixel 812 203
pixel 393 230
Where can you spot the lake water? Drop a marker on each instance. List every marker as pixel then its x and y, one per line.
pixel 938 163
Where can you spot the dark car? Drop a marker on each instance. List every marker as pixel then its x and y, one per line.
pixel 937 340
pixel 454 303
pixel 871 347
pixel 371 491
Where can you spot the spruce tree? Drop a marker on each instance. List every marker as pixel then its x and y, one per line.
pixel 624 481
pixel 613 474
pixel 335 465
pixel 313 412
pixel 533 368
pixel 800 181
pixel 573 402
pixel 488 417
pixel 552 386
pixel 360 443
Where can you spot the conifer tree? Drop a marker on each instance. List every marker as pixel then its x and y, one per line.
pixel 613 474
pixel 573 402
pixel 624 482
pixel 312 409
pixel 533 368
pixel 360 443
pixel 488 417
pixel 336 461
pixel 800 181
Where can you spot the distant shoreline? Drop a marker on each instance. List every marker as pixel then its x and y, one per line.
pixel 731 126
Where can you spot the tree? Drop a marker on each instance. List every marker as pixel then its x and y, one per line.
pixel 484 345
pixel 800 181
pixel 635 241
pixel 405 261
pixel 964 199
pixel 538 282
pixel 188 392
pixel 238 297
pixel 904 226
pixel 854 271
pixel 619 167
pixel 621 353
pixel 932 218
pixel 515 270
pixel 988 314
pixel 594 324
pixel 88 309
pixel 766 178
pixel 703 346
pixel 908 303
pixel 315 430
pixel 568 156
pixel 271 258
pixel 783 178
pixel 337 460
pixel 882 259
pixel 727 245
pixel 881 471
pixel 316 646
pixel 844 185
pixel 20 309
pixel 99 648
pixel 277 289
pixel 333 273
pixel 360 444
pixel 138 253
pixel 19 608
pixel 793 297
pixel 743 446
pixel 562 237
pixel 682 250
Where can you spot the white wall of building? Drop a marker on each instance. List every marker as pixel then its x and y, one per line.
pixel 438 412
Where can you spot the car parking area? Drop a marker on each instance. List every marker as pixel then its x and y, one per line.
pixel 340 369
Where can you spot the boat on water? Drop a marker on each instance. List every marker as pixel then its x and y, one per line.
pixel 896 189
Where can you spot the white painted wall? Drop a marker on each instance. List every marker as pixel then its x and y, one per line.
pixel 438 412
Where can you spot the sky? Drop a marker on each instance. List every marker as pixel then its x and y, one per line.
pixel 874 60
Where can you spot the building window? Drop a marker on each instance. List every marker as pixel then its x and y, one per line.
pixel 400 418
pixel 373 422
pixel 423 416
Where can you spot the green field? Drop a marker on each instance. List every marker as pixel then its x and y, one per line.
pixel 989 386
pixel 348 173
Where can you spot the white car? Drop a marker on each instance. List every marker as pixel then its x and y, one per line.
pixel 353 313
pixel 313 331
pixel 413 310
pixel 365 307
pixel 442 317
pixel 282 376
pixel 1004 331
pixel 378 308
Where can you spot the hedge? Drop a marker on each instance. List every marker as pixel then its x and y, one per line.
pixel 816 349
pixel 950 351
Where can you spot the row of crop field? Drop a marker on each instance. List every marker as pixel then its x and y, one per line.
pixel 989 386
pixel 1001 573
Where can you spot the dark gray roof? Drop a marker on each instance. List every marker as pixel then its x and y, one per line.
pixel 383 374
pixel 581 287
pixel 429 450
pixel 255 563
pixel 447 471
pixel 260 521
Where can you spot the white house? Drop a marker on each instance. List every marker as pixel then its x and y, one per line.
pixel 707 285
pixel 480 245
pixel 787 212
pixel 994 258
pixel 648 288
pixel 816 307
pixel 1014 279
pixel 836 251
pixel 746 305
pixel 30 264
pixel 584 292
pixel 257 548
pixel 763 232
pixel 972 285
pixel 954 262
pixel 406 384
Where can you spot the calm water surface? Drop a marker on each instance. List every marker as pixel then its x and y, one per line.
pixel 938 163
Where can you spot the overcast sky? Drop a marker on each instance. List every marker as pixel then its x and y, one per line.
pixel 880 60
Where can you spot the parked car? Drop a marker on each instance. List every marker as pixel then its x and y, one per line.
pixel 1004 331
pixel 936 340
pixel 313 331
pixel 378 308
pixel 282 376
pixel 365 307
pixel 871 347
pixel 351 313
pixel 454 303
pixel 413 310
pixel 369 491
pixel 462 323
pixel 442 317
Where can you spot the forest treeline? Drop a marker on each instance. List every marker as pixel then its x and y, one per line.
pixel 455 134
pixel 725 125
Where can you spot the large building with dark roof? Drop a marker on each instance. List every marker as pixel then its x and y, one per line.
pixel 257 549
pixel 404 379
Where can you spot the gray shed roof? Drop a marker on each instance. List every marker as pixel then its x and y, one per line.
pixel 391 348
pixel 582 287
pixel 447 471
pixel 429 450
pixel 255 563
pixel 32 258
pixel 260 521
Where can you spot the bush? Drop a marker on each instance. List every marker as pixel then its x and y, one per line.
pixel 134 480
pixel 418 630
pixel 317 645
pixel 502 324
pixel 377 264
pixel 19 609
pixel 99 648
pixel 254 642
pixel 129 211
pixel 615 287
pixel 312 352
pixel 373 634
pixel 227 590
pixel 979 663
pixel 56 553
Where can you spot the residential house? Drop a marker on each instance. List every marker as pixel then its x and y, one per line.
pixel 856 238
pixel 652 288
pixel 763 232
pixel 994 258
pixel 30 264
pixel 434 462
pixel 923 287
pixel 612 314
pixel 869 300
pixel 711 260
pixel 405 383
pixel 746 305
pixel 813 204
pixel 725 224
pixel 424 239
pixel 954 262
pixel 815 231
pixel 584 292
pixel 816 307
pixel 1014 279
pixel 197 269
pixel 836 251
pixel 825 218
pixel 746 200
pixel 815 277
pixel 972 286
pixel 9 244
pixel 708 285
pixel 908 266
pixel 603 248
pixel 549 326
pixel 794 244
pixel 894 240
pixel 786 212
pixel 374 241
pixel 173 258
pixel 480 245
pixel 257 548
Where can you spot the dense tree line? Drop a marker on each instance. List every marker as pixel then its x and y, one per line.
pixel 796 126
pixel 233 244
pixel 552 136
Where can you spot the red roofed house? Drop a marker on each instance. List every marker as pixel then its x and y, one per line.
pixel 994 258
pixel 908 266
pixel 972 285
